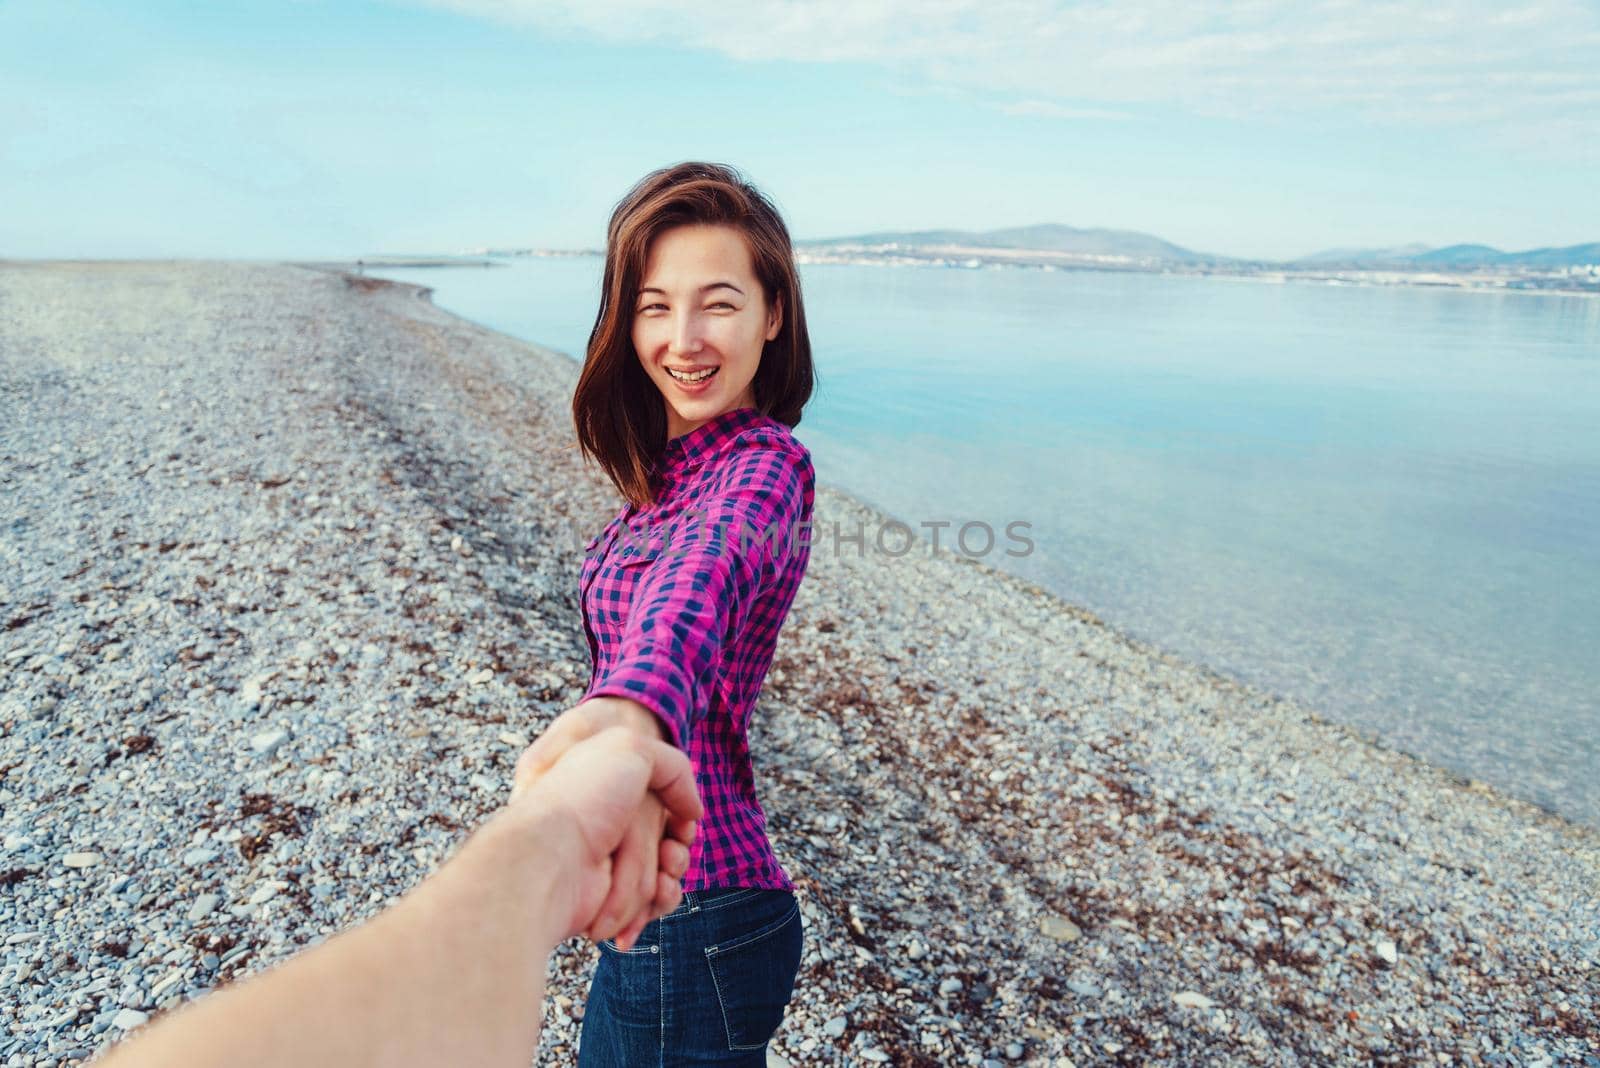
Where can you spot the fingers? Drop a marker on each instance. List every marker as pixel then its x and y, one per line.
pixel 672 779
pixel 627 875
pixel 565 731
pixel 683 830
pixel 562 734
pixel 627 938
pixel 674 858
pixel 669 893
pixel 665 889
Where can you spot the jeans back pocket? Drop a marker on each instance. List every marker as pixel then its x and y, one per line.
pixel 754 974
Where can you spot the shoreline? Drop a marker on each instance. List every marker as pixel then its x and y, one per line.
pixel 970 780
pixel 1350 279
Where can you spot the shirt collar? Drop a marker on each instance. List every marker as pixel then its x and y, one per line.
pixel 687 450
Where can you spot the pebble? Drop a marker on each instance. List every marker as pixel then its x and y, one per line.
pixel 160 990
pixel 203 906
pixel 81 860
pixel 835 1027
pixel 266 743
pixel 1057 767
pixel 128 1019
pixel 1191 999
pixel 250 693
pixel 1060 928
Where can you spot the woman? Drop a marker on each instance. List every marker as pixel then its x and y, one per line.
pixel 698 366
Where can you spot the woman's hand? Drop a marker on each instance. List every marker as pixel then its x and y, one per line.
pixel 645 869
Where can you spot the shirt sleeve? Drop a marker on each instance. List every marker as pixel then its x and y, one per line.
pixel 699 594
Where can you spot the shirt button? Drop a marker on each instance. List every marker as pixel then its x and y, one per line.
pixel 655 949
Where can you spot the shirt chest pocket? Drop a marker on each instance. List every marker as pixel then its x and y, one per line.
pixel 625 554
pixel 617 579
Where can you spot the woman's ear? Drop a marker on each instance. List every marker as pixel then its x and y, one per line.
pixel 775 317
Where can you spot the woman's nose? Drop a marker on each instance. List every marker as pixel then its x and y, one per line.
pixel 686 334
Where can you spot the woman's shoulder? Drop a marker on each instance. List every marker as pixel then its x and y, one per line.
pixel 767 433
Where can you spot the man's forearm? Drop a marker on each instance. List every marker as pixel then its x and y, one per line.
pixel 452 974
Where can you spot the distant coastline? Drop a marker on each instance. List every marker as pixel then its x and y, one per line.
pixel 975 258
pixel 1562 281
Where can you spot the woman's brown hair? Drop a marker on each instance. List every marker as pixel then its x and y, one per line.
pixel 617 410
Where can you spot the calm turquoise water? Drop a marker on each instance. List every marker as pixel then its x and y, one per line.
pixel 1385 502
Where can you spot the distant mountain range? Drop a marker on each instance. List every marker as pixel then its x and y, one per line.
pixel 1046 237
pixel 1053 237
pixel 1455 256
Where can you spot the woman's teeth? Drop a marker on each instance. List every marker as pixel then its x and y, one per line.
pixel 698 377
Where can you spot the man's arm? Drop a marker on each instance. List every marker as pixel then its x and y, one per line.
pixel 454 972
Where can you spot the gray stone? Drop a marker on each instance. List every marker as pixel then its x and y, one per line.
pixel 1060 928
pixel 203 906
pixel 128 1019
pixel 269 742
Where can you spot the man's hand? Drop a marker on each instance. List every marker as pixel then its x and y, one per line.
pixel 645 868
pixel 454 972
pixel 617 790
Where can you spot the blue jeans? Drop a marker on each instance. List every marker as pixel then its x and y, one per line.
pixel 707 983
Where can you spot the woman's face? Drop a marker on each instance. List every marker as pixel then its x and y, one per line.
pixel 700 307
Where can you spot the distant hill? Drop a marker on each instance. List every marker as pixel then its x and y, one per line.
pixel 1146 248
pixel 1461 256
pixel 1570 256
pixel 1363 255
pixel 1456 257
pixel 1046 237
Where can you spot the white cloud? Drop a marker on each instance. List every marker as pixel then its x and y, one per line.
pixel 1389 61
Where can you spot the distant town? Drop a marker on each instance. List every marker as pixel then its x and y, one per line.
pixel 1052 247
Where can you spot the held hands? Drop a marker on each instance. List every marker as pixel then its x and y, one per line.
pixel 631 796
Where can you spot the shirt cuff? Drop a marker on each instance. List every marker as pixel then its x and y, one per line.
pixel 654 692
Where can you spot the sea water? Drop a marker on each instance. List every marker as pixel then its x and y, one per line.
pixel 1384 502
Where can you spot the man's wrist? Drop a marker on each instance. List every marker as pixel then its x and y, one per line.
pixel 526 849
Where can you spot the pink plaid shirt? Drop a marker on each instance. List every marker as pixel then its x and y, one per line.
pixel 683 601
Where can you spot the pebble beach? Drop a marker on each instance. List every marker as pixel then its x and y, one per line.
pixel 288 578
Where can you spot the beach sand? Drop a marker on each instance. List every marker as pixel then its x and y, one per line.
pixel 288 577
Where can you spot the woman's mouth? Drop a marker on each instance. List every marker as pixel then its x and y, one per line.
pixel 693 382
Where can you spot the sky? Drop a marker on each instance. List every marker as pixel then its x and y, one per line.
pixel 329 129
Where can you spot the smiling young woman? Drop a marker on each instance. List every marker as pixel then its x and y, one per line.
pixel 697 370
pixel 701 341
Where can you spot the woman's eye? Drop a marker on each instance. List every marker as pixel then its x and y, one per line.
pixel 722 304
